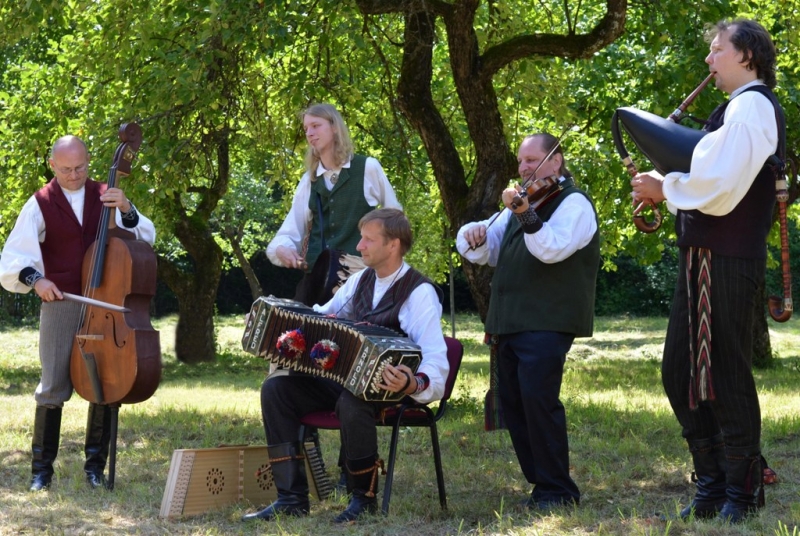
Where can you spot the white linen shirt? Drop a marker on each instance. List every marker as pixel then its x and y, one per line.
pixel 420 319
pixel 22 249
pixel 570 228
pixel 377 191
pixel 725 162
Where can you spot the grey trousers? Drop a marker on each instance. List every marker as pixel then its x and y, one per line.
pixel 59 322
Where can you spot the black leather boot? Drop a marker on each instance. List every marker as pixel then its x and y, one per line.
pixel 287 461
pixel 745 489
pixel 98 437
pixel 362 477
pixel 709 477
pixel 44 446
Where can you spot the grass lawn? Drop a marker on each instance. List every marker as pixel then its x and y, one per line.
pixel 627 455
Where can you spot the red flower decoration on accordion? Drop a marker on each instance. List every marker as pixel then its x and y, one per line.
pixel 325 353
pixel 291 344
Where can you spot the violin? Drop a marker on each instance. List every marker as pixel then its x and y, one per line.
pixel 537 191
pixel 116 354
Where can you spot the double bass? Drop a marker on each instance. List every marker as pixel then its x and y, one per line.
pixel 116 354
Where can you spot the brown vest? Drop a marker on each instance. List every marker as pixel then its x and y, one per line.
pixel 387 312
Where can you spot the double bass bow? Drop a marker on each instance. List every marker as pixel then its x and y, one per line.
pixel 116 354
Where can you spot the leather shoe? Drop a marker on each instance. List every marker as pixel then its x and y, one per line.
pixel 96 480
pixel 548 505
pixel 41 482
pixel 359 505
pixel 278 508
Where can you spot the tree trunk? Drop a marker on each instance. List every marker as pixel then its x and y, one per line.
pixel 196 285
pixel 196 291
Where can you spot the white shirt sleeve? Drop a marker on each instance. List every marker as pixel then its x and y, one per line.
pixel 294 227
pixel 420 318
pixel 144 230
pixel 21 249
pixel 377 189
pixel 490 250
pixel 570 228
pixel 725 162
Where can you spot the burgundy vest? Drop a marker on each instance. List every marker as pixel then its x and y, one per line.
pixel 66 241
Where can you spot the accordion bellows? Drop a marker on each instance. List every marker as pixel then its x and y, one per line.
pixel 364 350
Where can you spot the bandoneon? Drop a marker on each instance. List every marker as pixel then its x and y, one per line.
pixel 353 354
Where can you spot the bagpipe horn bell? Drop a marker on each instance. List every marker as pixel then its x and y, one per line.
pixel 668 145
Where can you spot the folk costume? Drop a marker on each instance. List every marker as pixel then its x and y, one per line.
pixel 542 298
pixel 325 214
pixel 724 212
pixel 405 301
pixel 52 233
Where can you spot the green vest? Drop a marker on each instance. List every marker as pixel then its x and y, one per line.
pixel 530 295
pixel 342 208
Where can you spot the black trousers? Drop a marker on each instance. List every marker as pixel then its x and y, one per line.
pixel 530 369
pixel 286 399
pixel 735 411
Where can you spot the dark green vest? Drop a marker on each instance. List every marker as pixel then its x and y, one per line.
pixel 529 295
pixel 342 208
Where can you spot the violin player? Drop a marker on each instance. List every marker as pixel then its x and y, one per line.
pixel 546 260
pixel 45 252
pixel 724 208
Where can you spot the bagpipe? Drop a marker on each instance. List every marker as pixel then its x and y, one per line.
pixel 669 147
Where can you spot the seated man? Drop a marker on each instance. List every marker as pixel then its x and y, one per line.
pixel 388 293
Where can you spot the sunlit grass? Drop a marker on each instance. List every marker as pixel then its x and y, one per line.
pixel 627 455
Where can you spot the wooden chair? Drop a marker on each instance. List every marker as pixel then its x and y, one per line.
pixel 406 413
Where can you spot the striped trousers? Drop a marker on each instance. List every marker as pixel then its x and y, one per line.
pixel 59 321
pixel 734 410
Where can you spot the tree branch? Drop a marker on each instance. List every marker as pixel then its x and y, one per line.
pixel 610 27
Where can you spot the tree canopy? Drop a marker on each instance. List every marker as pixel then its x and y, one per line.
pixel 441 92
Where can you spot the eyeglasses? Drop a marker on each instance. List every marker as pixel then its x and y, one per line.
pixel 68 171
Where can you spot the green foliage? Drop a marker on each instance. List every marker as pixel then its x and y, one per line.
pixel 200 74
